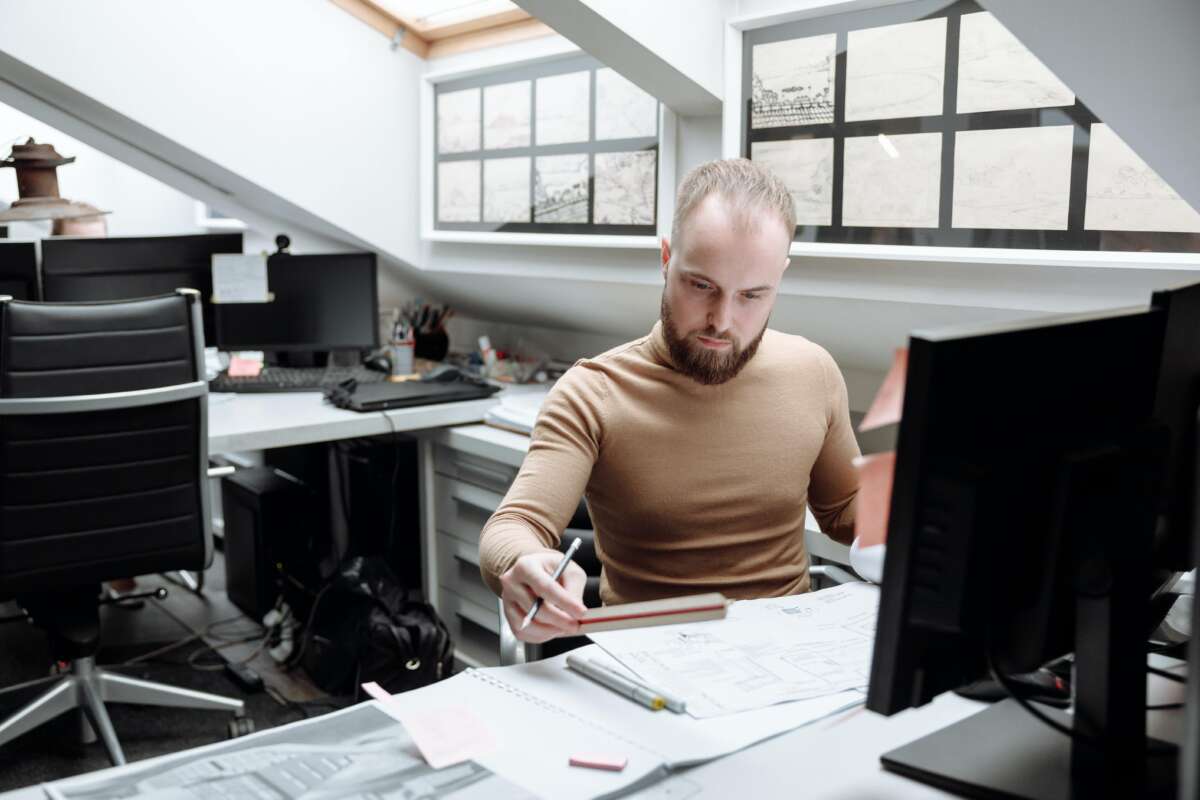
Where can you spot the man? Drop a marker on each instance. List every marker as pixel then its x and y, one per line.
pixel 699 445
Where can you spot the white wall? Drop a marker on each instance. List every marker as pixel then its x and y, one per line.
pixel 685 33
pixel 140 205
pixel 296 97
pixel 661 46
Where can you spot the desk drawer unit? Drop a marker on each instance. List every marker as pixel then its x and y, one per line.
pixel 475 628
pixel 466 489
pixel 473 469
pixel 463 509
pixel 458 570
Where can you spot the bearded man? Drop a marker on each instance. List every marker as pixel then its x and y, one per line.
pixel 698 446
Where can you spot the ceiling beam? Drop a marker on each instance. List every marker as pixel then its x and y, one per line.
pixel 1134 64
pixel 601 37
pixel 491 37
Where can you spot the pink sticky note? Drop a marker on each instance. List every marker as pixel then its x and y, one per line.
pixel 446 735
pixel 888 404
pixel 596 761
pixel 244 367
pixel 376 691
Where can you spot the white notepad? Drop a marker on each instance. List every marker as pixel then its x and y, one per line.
pixel 542 714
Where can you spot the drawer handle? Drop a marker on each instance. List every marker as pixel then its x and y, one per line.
pixel 477 618
pixel 487 475
pixel 466 558
pixel 476 498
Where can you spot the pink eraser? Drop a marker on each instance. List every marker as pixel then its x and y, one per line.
pixel 593 761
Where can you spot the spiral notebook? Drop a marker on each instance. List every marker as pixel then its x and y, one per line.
pixel 541 714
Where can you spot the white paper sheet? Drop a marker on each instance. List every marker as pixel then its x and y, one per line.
pixel 1125 194
pixel 623 110
pixel 239 278
pixel 896 70
pixel 793 82
pixel 458 121
pixel 678 739
pixel 1013 178
pixel 535 737
pixel 997 72
pixel 806 168
pixel 898 187
pixel 764 652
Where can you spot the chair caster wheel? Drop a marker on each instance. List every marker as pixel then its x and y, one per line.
pixel 240 726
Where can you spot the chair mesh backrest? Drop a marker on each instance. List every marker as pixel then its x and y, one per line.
pixel 92 495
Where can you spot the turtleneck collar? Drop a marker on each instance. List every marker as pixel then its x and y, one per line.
pixel 658 345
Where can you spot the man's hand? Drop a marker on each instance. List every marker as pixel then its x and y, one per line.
pixel 562 601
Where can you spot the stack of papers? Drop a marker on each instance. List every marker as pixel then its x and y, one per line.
pixel 765 652
pixel 516 412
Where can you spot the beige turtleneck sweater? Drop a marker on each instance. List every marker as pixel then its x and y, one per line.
pixel 691 488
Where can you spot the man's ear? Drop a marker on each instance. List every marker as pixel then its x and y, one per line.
pixel 666 256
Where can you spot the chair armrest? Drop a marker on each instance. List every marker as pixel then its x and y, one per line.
pixel 512 649
pixel 136 398
pixel 833 573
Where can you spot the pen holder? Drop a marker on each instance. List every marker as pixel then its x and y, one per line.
pixel 401 356
pixel 433 345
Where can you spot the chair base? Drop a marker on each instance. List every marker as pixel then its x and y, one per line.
pixel 87 688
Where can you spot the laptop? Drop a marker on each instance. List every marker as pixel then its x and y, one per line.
pixel 383 396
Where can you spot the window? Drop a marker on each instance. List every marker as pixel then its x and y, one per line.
pixel 931 124
pixel 561 147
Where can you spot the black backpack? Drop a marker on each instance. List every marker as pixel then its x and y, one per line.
pixel 365 627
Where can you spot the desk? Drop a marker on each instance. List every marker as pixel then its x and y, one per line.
pixel 261 421
pixel 834 759
pixel 845 751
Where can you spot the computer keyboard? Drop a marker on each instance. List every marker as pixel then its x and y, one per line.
pixel 294 379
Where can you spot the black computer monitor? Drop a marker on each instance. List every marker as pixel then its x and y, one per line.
pixel 123 267
pixel 320 303
pixel 18 270
pixel 1022 522
pixel 1177 405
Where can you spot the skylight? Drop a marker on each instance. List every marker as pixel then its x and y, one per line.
pixel 428 15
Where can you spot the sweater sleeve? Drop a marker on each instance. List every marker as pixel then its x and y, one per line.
pixel 833 484
pixel 564 446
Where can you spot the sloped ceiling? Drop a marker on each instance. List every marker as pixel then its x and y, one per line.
pixel 1136 64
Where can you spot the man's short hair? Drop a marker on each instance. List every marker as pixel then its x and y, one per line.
pixel 746 187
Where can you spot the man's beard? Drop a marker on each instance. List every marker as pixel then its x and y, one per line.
pixel 701 364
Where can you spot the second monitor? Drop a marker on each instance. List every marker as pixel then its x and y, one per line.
pixel 319 303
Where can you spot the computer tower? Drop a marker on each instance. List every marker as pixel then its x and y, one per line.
pixel 367 493
pixel 269 530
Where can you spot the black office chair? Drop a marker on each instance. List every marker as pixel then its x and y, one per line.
pixel 103 460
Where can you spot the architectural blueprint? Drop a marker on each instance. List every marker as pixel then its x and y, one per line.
pixel 766 651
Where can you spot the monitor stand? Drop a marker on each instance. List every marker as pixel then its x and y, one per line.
pixel 296 358
pixel 1004 752
pixel 314 358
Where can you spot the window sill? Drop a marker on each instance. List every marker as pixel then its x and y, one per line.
pixel 1087 259
pixel 544 239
